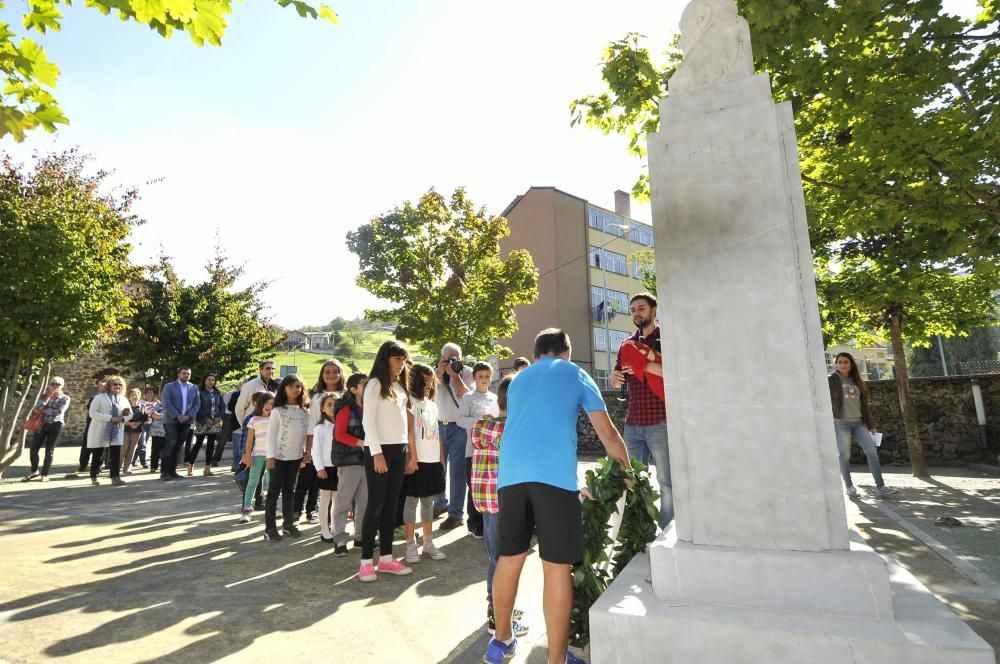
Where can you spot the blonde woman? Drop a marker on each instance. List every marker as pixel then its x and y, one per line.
pixel 108 413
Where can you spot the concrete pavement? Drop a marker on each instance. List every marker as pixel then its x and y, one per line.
pixel 161 572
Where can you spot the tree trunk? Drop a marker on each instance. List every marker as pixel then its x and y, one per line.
pixel 913 445
pixel 10 453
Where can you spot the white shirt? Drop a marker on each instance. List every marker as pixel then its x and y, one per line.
pixel 425 431
pixel 184 397
pixel 475 406
pixel 286 433
pixel 384 419
pixel 447 408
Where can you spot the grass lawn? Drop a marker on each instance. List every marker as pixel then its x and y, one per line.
pixel 308 363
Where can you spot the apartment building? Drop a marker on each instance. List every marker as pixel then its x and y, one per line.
pixel 586 279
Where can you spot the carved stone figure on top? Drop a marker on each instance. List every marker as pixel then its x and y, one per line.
pixel 715 41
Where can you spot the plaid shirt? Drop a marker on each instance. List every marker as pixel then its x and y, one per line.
pixel 486 435
pixel 644 407
pixel 54 409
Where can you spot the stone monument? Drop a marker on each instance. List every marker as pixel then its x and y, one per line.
pixel 758 565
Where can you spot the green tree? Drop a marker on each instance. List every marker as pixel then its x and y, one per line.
pixel 966 354
pixel 65 262
pixel 439 262
pixel 904 204
pixel 211 326
pixel 646 263
pixel 30 78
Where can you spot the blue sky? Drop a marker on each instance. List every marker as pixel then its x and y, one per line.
pixel 295 131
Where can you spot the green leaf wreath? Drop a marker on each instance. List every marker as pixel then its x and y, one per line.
pixel 603 558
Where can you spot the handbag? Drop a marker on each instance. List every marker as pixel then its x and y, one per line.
pixel 35 421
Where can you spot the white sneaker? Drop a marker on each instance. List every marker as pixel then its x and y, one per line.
pixel 434 552
pixel 852 491
pixel 883 491
pixel 412 553
pixel 245 516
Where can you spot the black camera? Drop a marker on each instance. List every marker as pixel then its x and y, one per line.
pixel 456 366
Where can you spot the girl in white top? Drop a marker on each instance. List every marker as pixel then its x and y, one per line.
pixel 322 459
pixel 286 449
pixel 385 425
pixel 425 467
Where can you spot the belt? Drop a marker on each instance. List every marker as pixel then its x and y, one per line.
pixel 445 422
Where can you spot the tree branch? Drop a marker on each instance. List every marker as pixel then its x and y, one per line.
pixel 963 93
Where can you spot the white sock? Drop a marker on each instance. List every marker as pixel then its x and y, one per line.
pixel 385 559
pixel 365 561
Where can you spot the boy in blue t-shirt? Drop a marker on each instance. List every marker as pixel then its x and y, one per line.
pixel 537 487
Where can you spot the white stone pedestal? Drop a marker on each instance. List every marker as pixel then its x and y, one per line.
pixel 758 565
pixel 629 624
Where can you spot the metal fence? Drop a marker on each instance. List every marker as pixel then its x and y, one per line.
pixel 969 368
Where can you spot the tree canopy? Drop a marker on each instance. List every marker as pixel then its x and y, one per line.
pixel 439 263
pixel 63 274
pixel 211 326
pixel 30 77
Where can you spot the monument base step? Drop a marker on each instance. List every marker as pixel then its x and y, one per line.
pixel 629 624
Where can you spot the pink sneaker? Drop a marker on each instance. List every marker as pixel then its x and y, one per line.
pixel 394 567
pixel 367 573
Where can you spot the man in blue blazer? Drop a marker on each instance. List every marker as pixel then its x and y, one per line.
pixel 181 401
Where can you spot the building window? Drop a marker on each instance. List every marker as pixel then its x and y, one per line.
pixel 616 302
pixel 641 234
pixel 611 261
pixel 600 339
pixel 606 222
pixel 601 378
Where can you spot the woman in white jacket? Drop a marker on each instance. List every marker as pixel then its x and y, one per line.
pixel 108 413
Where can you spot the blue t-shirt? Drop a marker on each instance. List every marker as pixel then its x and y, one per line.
pixel 539 440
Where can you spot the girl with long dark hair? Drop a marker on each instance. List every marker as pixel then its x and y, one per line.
pixel 286 449
pixel 852 419
pixel 386 437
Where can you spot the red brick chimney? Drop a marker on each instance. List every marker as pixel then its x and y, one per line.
pixel 623 203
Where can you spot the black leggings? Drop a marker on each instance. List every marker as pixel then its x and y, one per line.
pixel 155 451
pixel 193 454
pixel 281 479
pixel 307 484
pixel 48 435
pixel 115 463
pixel 383 494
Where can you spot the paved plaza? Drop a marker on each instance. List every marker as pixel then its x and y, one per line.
pixel 161 572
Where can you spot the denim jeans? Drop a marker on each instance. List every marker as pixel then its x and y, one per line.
pixel 649 443
pixel 490 543
pixel 453 437
pixel 140 453
pixel 845 430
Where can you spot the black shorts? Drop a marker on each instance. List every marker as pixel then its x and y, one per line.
pixel 548 511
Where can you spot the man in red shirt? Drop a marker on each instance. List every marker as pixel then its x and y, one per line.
pixel 646 422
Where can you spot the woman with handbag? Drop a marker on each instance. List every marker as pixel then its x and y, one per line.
pixel 133 430
pixel 108 413
pixel 46 420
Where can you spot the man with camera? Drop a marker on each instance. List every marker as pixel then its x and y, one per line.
pixel 456 381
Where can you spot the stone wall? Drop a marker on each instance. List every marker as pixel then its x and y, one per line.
pixel 946 415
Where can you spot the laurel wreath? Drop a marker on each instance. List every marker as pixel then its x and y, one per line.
pixel 604 558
